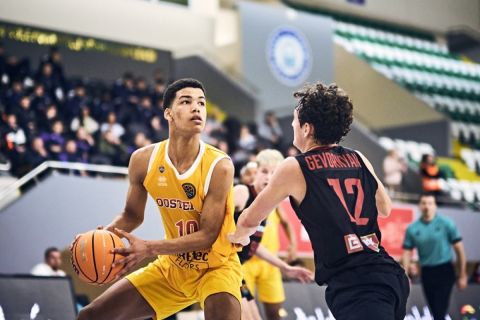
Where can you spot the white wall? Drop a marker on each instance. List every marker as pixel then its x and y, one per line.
pixel 163 26
pixel 435 15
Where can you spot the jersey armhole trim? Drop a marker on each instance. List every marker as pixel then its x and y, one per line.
pixel 210 172
pixel 153 156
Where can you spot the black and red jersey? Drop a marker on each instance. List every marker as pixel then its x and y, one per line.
pixel 249 250
pixel 339 211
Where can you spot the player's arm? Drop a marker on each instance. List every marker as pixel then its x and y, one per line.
pixel 134 210
pixel 240 196
pixel 302 274
pixel 292 247
pixel 462 264
pixel 284 182
pixel 383 201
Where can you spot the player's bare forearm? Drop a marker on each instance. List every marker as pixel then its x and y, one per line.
pixel 197 241
pixel 124 221
pixel 263 254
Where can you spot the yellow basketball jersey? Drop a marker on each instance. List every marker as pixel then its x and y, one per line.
pixel 270 239
pixel 180 199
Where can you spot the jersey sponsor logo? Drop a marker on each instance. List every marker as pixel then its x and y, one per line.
pixel 352 243
pixel 327 160
pixel 194 260
pixel 175 204
pixel 190 190
pixel 371 241
pixel 162 181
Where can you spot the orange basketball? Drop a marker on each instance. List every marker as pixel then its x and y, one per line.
pixel 92 258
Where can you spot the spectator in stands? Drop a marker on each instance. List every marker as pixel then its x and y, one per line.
pixel 85 144
pixel 475 278
pixel 85 121
pixel 116 128
pixel 40 100
pixel 70 152
pixel 156 130
pixel 434 236
pixel 393 169
pixel 38 153
pixel 139 141
pixel 13 134
pixel 46 119
pixel 430 174
pixel 50 81
pixel 247 141
pixel 76 100
pixel 112 149
pixel 51 266
pixel 25 115
pixel 292 151
pixel 13 95
pixel 54 140
pixel 270 131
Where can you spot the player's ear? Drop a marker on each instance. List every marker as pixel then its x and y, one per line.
pixel 308 130
pixel 167 114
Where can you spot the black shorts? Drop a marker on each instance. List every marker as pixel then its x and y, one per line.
pixel 368 293
pixel 246 292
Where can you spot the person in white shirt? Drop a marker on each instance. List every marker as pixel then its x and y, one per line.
pixel 51 266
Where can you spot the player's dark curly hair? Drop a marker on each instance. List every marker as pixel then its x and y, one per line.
pixel 327 108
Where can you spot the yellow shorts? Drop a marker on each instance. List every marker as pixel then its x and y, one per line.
pixel 261 275
pixel 169 289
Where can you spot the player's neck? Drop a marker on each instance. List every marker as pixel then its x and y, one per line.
pixel 183 151
pixel 313 145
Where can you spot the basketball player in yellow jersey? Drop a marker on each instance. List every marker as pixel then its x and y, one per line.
pixel 192 184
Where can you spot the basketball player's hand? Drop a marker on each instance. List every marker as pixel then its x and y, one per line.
pixel 462 282
pixel 301 274
pixel 135 253
pixel 241 237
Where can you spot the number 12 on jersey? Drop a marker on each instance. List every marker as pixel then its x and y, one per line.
pixel 349 184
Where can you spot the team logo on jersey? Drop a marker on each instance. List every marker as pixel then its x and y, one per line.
pixel 190 190
pixel 161 169
pixel 353 243
pixel 162 181
pixel 371 241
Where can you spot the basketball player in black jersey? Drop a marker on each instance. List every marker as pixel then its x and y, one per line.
pixel 338 197
pixel 267 161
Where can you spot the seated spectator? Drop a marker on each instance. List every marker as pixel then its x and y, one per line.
pixel 85 121
pixel 13 134
pixel 70 152
pixel 75 101
pixel 51 266
pixel 430 174
pixel 46 118
pixel 393 169
pixel 247 141
pixel 25 115
pixel 85 144
pixel 270 131
pixel 38 153
pixel 54 140
pixel 112 149
pixel 116 128
pixel 139 141
pixel 40 100
pixel 292 151
pixel 156 130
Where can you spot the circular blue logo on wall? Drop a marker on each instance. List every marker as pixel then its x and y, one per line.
pixel 289 56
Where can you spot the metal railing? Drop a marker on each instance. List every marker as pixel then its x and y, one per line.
pixel 32 175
